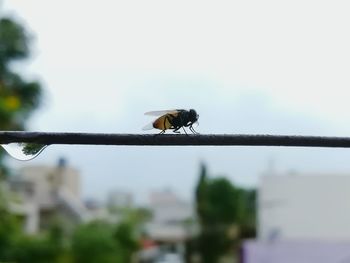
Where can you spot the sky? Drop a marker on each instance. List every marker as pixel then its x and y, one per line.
pixel 247 67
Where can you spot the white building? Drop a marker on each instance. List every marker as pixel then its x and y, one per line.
pixel 168 208
pixel 171 225
pixel 47 193
pixel 304 207
pixel 120 199
pixel 303 219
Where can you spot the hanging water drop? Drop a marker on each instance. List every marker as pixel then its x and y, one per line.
pixel 24 151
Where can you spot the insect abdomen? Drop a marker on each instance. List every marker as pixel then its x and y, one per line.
pixel 163 122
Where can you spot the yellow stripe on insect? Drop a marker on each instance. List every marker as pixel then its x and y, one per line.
pixel 163 122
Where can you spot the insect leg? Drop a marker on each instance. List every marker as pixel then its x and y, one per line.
pixel 193 130
pixel 191 127
pixel 184 130
pixel 176 130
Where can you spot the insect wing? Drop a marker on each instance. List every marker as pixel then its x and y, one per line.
pixel 162 112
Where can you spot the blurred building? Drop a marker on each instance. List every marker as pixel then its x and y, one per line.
pixel 304 207
pixel 119 198
pixel 46 194
pixel 172 223
pixel 98 210
pixel 118 205
pixel 167 208
pixel 302 218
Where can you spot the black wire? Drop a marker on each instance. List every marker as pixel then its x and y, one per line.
pixel 172 139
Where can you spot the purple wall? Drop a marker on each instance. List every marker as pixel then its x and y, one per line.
pixel 296 252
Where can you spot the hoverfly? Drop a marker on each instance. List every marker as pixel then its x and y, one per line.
pixel 173 119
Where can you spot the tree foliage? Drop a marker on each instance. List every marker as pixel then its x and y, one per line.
pixel 222 210
pixel 125 236
pixel 18 96
pixel 16 246
pixel 35 249
pixel 94 242
pixel 103 242
pixel 9 227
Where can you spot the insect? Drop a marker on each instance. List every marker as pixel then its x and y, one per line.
pixel 173 119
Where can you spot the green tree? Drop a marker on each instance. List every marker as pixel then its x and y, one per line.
pixel 247 213
pixel 201 192
pixel 35 249
pixel 125 236
pixel 94 242
pixel 221 208
pixel 19 247
pixel 18 98
pixel 9 227
pixel 99 241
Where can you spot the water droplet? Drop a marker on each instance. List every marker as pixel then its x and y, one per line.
pixel 24 151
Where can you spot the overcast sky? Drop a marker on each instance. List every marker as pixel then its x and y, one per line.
pixel 277 67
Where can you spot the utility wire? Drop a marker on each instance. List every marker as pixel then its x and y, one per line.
pixel 49 138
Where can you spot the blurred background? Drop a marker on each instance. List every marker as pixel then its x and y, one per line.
pixel 247 68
